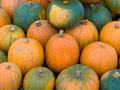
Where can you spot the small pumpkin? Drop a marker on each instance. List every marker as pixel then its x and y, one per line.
pixel 27 53
pixel 89 1
pixel 99 56
pixel 10 76
pixel 39 78
pixel 77 77
pixel 61 51
pixel 3 57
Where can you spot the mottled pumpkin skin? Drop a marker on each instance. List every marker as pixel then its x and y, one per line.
pixel 26 54
pixel 3 57
pixel 110 80
pixel 64 16
pixel 10 76
pixel 77 77
pixel 25 14
pixel 39 78
pixel 89 1
pixel 99 56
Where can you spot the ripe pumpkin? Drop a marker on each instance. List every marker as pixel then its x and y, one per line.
pixel 110 80
pixel 41 30
pixel 10 5
pixel 3 57
pixel 110 34
pixel 84 32
pixel 26 53
pixel 10 76
pixel 62 51
pixel 98 14
pixel 77 77
pixel 99 56
pixel 64 14
pixel 39 78
pixel 89 1
pixel 4 18
pixel 25 14
pixel 9 34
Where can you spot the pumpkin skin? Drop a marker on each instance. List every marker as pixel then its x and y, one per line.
pixel 8 35
pixel 64 14
pixel 39 78
pixel 95 55
pixel 10 5
pixel 27 53
pixel 110 34
pixel 61 52
pixel 41 30
pixel 89 1
pixel 3 57
pixel 84 32
pixel 77 77
pixel 4 18
pixel 10 76
pixel 31 12
pixel 110 80
pixel 98 14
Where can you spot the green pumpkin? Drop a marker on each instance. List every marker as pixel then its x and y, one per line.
pixel 39 78
pixel 64 14
pixel 25 14
pixel 110 80
pixel 98 14
pixel 89 1
pixel 3 57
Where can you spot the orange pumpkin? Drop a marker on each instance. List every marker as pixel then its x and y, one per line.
pixel 41 30
pixel 10 76
pixel 99 56
pixel 62 51
pixel 26 53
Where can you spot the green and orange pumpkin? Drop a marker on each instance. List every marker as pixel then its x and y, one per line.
pixel 89 1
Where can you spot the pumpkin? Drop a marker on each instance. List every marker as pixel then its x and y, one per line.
pixel 25 14
pixel 39 78
pixel 89 1
pixel 10 76
pixel 27 53
pixel 3 57
pixel 77 77
pixel 4 18
pixel 110 80
pixel 41 30
pixel 98 14
pixel 61 51
pixel 9 34
pixel 64 14
pixel 110 34
pixel 84 32
pixel 10 5
pixel 99 56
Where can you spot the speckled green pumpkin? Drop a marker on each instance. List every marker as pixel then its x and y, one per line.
pixel 98 14
pixel 64 14
pixel 26 13
pixel 3 57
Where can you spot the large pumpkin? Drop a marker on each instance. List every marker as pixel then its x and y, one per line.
pixel 62 51
pixel 39 78
pixel 26 53
pixel 77 77
pixel 9 34
pixel 99 56
pixel 89 1
pixel 10 76
pixel 84 32
pixel 3 57
pixel 25 14
pixel 41 30
pixel 64 14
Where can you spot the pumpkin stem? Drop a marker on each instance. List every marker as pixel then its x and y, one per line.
pixel 37 23
pixel 117 26
pixel 65 1
pixel 26 40
pixel 78 73
pixel 40 72
pixel 12 28
pixel 116 75
pixel 30 4
pixel 84 22
pixel 102 46
pixel 61 33
pixel 8 66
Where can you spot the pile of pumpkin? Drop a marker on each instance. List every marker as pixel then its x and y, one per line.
pixel 59 44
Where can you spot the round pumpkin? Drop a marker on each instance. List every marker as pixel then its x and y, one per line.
pixel 41 30
pixel 39 78
pixel 25 14
pixel 64 14
pixel 98 14
pixel 10 76
pixel 62 51
pixel 84 32
pixel 89 1
pixel 77 77
pixel 27 53
pixel 3 57
pixel 9 34
pixel 99 56
pixel 110 80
